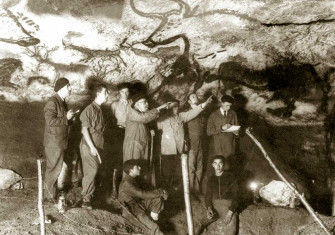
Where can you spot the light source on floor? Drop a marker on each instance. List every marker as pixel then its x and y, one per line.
pixel 255 187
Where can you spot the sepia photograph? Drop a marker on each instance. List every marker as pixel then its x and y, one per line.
pixel 167 117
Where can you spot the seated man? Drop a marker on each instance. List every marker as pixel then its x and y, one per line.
pixel 140 201
pixel 221 198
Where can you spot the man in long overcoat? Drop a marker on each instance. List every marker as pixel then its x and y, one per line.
pixel 57 119
pixel 137 137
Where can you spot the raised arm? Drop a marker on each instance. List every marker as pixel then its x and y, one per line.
pixel 146 117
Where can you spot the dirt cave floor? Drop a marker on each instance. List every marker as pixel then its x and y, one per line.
pixel 19 215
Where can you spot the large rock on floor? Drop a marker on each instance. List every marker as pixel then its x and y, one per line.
pixel 8 178
pixel 272 220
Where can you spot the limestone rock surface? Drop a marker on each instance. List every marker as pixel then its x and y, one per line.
pixel 8 178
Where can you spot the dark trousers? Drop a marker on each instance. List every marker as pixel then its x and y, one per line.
pixel 55 159
pixel 169 166
pixel 90 170
pixel 118 134
pixel 140 209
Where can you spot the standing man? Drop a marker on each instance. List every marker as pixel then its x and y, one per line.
pixel 195 129
pixel 138 200
pixel 91 145
pixel 221 142
pixel 137 138
pixel 173 136
pixel 120 109
pixel 221 198
pixel 57 119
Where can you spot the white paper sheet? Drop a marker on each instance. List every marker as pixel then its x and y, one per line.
pixel 232 129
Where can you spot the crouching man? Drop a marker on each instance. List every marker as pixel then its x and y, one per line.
pixel 222 198
pixel 139 201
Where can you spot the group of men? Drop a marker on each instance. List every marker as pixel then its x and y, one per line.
pixel 181 132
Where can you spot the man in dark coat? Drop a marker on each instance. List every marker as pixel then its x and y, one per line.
pixel 140 201
pixel 57 119
pixel 137 138
pixel 221 142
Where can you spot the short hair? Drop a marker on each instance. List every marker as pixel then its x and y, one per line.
pixel 129 164
pixel 98 88
pixel 218 157
pixel 227 98
pixel 123 85
pixel 189 95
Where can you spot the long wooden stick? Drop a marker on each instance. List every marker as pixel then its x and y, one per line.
pixel 302 198
pixel 40 197
pixel 186 182
pixel 152 164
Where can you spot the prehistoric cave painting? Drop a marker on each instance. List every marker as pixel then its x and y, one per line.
pixel 91 54
pixel 13 31
pixel 7 67
pixel 185 68
pixel 290 81
pixel 107 8
pixel 39 79
pixel 101 67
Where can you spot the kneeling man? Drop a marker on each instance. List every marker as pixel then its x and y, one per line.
pixel 222 198
pixel 140 201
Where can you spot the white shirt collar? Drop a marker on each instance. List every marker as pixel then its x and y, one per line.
pixel 222 112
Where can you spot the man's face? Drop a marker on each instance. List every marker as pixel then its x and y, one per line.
pixel 142 105
pixel 193 99
pixel 218 166
pixel 124 93
pixel 103 95
pixel 67 90
pixel 225 106
pixel 136 171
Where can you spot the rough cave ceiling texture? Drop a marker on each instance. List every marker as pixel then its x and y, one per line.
pixel 175 47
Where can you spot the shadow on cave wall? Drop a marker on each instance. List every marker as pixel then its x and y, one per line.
pixel 289 80
pixel 106 8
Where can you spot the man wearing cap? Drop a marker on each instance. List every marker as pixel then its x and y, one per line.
pixel 136 141
pixel 173 136
pixel 92 142
pixel 139 201
pixel 57 119
pixel 221 142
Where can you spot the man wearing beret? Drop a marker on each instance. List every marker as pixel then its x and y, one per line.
pixel 57 119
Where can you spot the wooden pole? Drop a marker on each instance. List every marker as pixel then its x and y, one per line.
pixel 186 182
pixel 302 198
pixel 40 197
pixel 152 164
pixel 332 185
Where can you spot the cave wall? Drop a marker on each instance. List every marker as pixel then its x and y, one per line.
pixel 173 47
